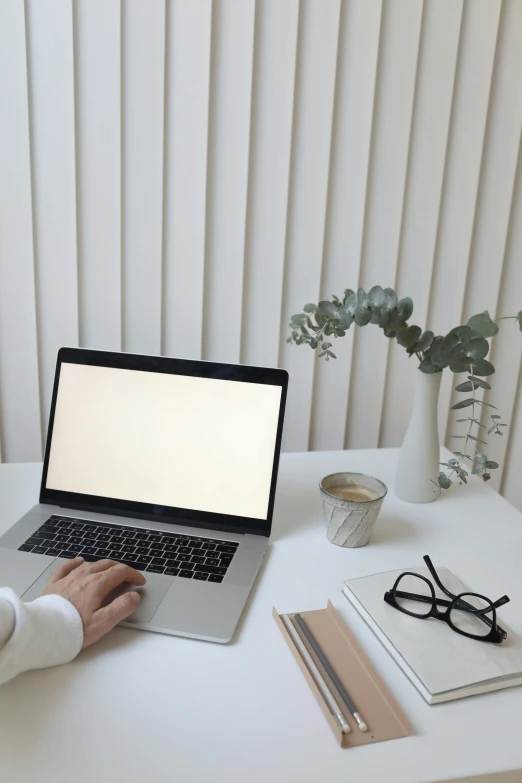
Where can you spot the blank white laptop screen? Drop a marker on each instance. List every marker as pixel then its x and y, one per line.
pixel 170 440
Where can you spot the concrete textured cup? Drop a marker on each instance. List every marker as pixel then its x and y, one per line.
pixel 350 522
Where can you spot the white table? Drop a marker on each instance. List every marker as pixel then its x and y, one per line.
pixel 145 707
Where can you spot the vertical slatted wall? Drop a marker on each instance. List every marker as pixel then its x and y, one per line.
pixel 180 176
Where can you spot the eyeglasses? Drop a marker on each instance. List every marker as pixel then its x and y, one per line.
pixel 469 614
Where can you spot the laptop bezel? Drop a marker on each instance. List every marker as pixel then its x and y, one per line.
pixel 149 511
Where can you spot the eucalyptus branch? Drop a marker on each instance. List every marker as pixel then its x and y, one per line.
pixel 463 349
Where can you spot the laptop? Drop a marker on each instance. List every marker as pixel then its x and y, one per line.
pixel 169 465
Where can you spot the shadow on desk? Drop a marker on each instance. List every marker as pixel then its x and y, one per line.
pixel 295 510
pixel 251 597
pixel 392 528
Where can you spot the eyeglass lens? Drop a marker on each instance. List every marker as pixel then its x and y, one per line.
pixel 416 585
pixel 469 622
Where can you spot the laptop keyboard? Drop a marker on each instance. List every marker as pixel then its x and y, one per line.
pixel 191 557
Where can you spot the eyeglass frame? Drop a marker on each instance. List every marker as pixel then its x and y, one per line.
pixel 496 634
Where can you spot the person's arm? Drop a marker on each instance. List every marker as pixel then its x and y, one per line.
pixel 44 632
pixel 69 616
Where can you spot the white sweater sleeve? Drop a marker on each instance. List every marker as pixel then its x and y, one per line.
pixel 44 632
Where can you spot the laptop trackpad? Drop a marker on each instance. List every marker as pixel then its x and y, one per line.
pixel 152 594
pixel 20 570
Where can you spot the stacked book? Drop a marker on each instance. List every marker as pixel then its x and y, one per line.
pixel 443 665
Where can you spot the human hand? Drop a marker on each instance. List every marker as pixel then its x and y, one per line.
pixel 87 585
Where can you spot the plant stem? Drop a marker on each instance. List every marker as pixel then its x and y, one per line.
pixel 461 459
pixel 471 422
pixel 505 317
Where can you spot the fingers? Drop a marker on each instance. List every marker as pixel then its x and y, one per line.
pixel 65 568
pixel 119 573
pixel 116 572
pixel 114 613
pixel 111 575
pixel 99 565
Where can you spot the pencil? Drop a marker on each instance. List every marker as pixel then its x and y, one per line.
pixel 316 675
pixel 331 673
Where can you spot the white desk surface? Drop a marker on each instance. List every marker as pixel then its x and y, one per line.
pixel 141 706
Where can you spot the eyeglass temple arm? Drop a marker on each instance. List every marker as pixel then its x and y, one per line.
pixel 431 567
pixel 434 574
pixel 462 605
pixel 427 599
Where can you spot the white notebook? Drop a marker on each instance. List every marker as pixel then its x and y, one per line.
pixel 443 665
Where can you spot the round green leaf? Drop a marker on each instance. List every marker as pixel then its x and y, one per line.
pixel 459 365
pixel 408 335
pixel 519 319
pixel 299 319
pixel 427 367
pixel 477 348
pixel 465 333
pixel 491 465
pixel 310 308
pixel 345 319
pixel 459 330
pixel 483 324
pixel 376 297
pixel 351 303
pixel 363 316
pixel 469 334
pixel 327 308
pixel 385 318
pixel 458 352
pixel 376 315
pixel 391 298
pixel 443 481
pixel 395 322
pixel 482 367
pixel 435 352
pixel 479 382
pixel 448 345
pixel 362 298
pixel 405 308
pixel 424 341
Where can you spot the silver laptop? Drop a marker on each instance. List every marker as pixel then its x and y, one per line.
pixel 169 465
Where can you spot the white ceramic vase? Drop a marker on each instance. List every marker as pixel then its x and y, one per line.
pixel 419 459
